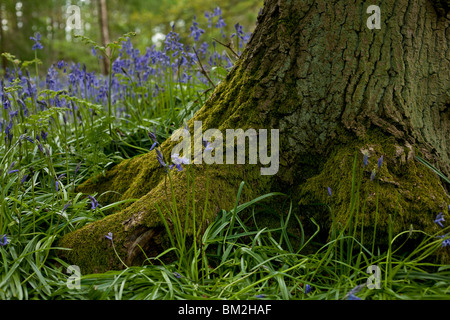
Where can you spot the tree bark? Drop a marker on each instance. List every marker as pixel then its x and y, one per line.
pixel 2 41
pixel 335 89
pixel 104 31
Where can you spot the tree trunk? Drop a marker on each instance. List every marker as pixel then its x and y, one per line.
pixel 104 32
pixel 336 90
pixel 2 41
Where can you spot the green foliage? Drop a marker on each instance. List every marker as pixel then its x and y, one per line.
pixel 231 257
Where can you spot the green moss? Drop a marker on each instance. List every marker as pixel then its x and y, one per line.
pixel 94 253
pixel 402 189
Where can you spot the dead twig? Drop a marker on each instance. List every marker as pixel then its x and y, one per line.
pixel 203 71
pixel 228 46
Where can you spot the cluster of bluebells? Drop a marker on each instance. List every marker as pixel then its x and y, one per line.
pixel 374 170
pixel 148 71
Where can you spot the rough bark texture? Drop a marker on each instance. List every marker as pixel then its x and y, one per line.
pixel 335 89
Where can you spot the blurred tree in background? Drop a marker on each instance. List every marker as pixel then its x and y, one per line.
pixel 150 19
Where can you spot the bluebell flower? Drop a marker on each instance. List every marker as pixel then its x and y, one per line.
pixel 109 236
pixel 207 145
pixel 329 191
pixel 446 242
pixel 366 158
pixel 209 17
pixel 439 219
pixel 60 64
pixel 239 32
pixel 178 161
pixel 37 41
pixel 177 275
pixel 57 180
pixel 152 136
pixel 160 158
pixel 217 11
pixel 260 296
pixel 66 206
pixel 307 288
pixel 13 171
pixel 372 176
pixel 3 240
pixel 380 162
pixel 23 179
pixel 94 203
pixel 351 294
pixel 77 168
pixel 5 101
pixel 40 147
pixel 221 23
pixel 196 32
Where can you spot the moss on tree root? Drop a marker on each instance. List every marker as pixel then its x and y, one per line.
pixel 400 195
pixel 138 229
pixel 402 188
